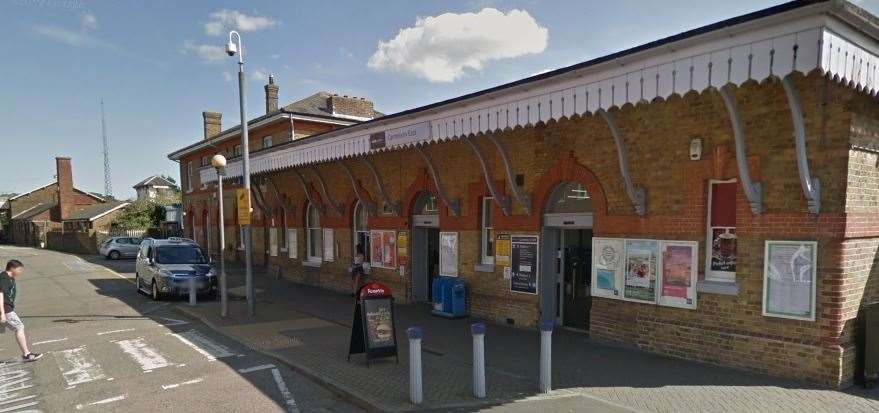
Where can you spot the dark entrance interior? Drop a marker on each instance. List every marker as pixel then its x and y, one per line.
pixel 425 261
pixel 576 277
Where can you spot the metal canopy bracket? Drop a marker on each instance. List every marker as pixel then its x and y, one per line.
pixel 521 198
pixel 453 204
pixel 635 193
pixel 369 205
pixel 753 190
pixel 811 187
pixel 329 198
pixel 502 201
pixel 390 205
pixel 320 207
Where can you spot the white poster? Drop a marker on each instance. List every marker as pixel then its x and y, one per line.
pixel 329 245
pixel 789 278
pixel 273 242
pixel 448 258
pixel 607 266
pixel 292 244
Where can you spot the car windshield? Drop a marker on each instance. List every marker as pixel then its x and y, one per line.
pixel 183 254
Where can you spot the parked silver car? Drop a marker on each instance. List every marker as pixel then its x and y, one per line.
pixel 164 267
pixel 115 248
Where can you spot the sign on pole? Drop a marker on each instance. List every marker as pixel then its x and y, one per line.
pixel 242 198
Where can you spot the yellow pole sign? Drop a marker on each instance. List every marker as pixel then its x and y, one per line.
pixel 243 201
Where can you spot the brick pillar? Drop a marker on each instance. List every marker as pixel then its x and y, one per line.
pixel 271 95
pixel 212 124
pixel 64 173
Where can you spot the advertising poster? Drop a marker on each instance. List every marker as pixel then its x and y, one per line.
pixel 329 245
pixel 641 265
pixel 723 255
pixel 502 250
pixel 403 248
pixel 389 249
pixel 292 244
pixel 379 323
pixel 523 272
pixel 789 276
pixel 607 266
pixel 448 254
pixel 375 248
pixel 678 275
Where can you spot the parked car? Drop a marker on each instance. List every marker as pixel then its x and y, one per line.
pixel 114 248
pixel 164 268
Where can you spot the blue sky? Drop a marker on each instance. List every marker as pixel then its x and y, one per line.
pixel 157 64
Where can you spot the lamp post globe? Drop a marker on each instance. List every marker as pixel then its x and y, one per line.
pixel 218 161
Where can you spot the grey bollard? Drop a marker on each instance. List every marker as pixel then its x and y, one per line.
pixel 478 331
pixel 415 391
pixel 546 356
pixel 192 291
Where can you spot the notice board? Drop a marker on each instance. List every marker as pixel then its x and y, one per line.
pixel 524 268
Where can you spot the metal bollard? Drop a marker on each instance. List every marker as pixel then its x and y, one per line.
pixel 546 356
pixel 478 330
pixel 415 392
pixel 192 291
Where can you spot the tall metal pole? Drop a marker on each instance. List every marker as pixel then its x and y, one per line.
pixel 248 248
pixel 224 303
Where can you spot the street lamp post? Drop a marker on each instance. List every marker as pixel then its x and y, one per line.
pixel 219 163
pixel 231 49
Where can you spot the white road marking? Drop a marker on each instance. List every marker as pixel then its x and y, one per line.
pixel 285 392
pixel 105 401
pixel 256 368
pixel 20 406
pixel 203 345
pixel 147 357
pixel 18 399
pixel 172 386
pixel 78 367
pixel 115 331
pixel 49 341
pixel 173 322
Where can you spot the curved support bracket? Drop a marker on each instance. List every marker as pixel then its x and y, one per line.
pixel 502 201
pixel 284 206
pixel 319 206
pixel 635 193
pixel 329 198
pixel 753 190
pixel 811 187
pixel 521 198
pixel 369 205
pixel 453 204
pixel 388 203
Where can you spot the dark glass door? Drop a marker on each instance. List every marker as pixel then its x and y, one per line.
pixel 577 278
pixel 432 259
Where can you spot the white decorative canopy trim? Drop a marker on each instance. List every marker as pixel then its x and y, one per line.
pixel 690 65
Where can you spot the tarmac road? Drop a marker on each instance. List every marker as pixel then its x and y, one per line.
pixel 109 348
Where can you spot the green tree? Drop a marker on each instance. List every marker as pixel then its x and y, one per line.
pixel 140 215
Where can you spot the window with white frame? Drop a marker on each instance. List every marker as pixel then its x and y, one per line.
pixel 313 234
pixel 361 230
pixel 721 246
pixel 189 175
pixel 486 231
pixel 267 142
pixel 236 150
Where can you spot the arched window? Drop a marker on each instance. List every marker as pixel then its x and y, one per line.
pixel 361 229
pixel 569 198
pixel 425 204
pixel 313 233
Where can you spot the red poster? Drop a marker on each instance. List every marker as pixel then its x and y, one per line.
pixel 389 247
pixel 677 266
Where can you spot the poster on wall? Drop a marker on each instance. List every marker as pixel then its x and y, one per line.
pixel 607 266
pixel 641 266
pixel 383 248
pixel 723 255
pixel 677 287
pixel 403 248
pixel 789 278
pixel 502 250
pixel 329 245
pixel 448 254
pixel 292 244
pixel 524 268
pixel 273 242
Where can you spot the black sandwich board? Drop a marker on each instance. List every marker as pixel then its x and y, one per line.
pixel 374 331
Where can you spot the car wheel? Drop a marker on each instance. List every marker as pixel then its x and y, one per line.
pixel 114 255
pixel 156 295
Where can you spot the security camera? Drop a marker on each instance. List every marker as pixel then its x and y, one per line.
pixel 231 49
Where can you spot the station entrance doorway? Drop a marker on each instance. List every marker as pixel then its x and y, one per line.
pixel 425 246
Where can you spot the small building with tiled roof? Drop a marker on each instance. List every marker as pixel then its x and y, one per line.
pixel 155 188
pixel 96 217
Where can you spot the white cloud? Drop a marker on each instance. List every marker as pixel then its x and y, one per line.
pixel 221 20
pixel 207 52
pixel 259 75
pixel 88 21
pixel 442 48
pixel 80 37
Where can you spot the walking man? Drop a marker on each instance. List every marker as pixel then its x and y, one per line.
pixel 14 269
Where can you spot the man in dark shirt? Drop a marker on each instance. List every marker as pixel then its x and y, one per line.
pixel 14 269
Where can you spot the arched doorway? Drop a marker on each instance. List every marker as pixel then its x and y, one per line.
pixel 425 245
pixel 565 292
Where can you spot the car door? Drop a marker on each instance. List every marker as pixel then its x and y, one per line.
pixel 131 247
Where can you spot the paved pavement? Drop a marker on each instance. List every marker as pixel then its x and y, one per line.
pixel 309 328
pixel 108 348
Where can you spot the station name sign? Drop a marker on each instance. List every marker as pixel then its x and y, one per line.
pixel 400 136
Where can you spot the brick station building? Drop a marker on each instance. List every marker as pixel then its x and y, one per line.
pixel 725 139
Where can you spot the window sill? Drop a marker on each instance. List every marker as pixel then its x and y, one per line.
pixel 312 264
pixel 483 268
pixel 717 287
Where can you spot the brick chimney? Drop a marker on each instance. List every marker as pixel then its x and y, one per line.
pixel 271 95
pixel 212 124
pixel 350 106
pixel 64 177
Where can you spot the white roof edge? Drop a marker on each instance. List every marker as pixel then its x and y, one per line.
pixel 122 205
pixel 26 211
pixel 32 190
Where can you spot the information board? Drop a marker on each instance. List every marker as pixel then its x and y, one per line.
pixel 448 254
pixel 524 268
pixel 789 278
pixel 242 201
pixel 502 250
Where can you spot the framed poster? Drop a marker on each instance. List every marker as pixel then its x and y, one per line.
pixel 524 267
pixel 329 245
pixel 448 254
pixel 607 266
pixel 403 247
pixel 677 280
pixel 273 242
pixel 789 279
pixel 642 261
pixel 383 248
pixel 292 244
pixel 502 250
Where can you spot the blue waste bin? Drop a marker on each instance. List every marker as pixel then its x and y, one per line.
pixel 449 297
pixel 437 288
